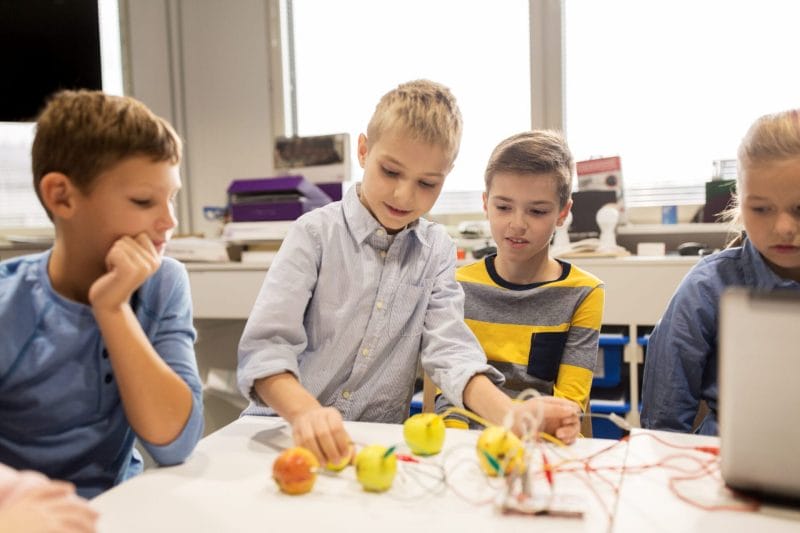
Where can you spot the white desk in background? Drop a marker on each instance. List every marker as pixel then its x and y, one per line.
pixel 226 486
pixel 224 290
pixel 637 288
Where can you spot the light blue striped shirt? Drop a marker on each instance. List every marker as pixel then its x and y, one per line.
pixel 351 311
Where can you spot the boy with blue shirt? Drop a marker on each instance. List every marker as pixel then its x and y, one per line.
pixel 364 289
pixel 97 331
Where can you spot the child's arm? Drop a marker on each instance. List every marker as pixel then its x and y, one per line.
pixel 576 370
pixel 678 354
pixel 318 428
pixel 50 508
pixel 560 417
pixel 157 402
pixel 275 336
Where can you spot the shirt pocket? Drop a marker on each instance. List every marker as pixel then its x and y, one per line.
pixel 547 348
pixel 410 307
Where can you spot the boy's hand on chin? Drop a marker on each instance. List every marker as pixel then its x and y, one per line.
pixel 129 262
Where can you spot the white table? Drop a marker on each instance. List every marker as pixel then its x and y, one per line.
pixel 226 486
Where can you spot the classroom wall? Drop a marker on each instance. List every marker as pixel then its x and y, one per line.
pixel 205 66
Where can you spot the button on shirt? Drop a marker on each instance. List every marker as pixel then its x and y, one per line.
pixel 681 363
pixel 350 311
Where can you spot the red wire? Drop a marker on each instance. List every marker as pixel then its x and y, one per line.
pixel 548 471
pixel 589 474
pixel 705 467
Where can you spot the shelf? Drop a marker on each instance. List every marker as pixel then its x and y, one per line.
pixel 656 229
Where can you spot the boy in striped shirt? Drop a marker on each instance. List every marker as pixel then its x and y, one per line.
pixel 537 318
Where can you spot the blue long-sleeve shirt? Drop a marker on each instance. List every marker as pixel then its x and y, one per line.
pixel 681 364
pixel 60 408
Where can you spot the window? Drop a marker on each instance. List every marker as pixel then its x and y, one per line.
pixel 19 206
pixel 671 86
pixel 350 52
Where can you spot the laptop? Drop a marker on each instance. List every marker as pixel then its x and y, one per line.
pixel 759 392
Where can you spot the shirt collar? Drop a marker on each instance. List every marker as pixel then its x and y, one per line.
pixel 42 275
pixel 363 225
pixel 764 278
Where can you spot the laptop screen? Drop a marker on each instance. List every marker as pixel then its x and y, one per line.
pixel 759 391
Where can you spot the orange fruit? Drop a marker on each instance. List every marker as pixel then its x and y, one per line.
pixel 295 470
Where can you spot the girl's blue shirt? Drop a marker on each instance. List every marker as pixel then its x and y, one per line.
pixel 680 366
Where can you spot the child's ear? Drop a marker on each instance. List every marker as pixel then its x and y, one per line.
pixel 362 149
pixel 562 215
pixel 58 194
pixel 485 197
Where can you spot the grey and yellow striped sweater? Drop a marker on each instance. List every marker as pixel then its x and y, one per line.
pixel 542 336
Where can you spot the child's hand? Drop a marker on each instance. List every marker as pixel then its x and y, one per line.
pixel 129 262
pixel 560 416
pixel 321 430
pixel 51 507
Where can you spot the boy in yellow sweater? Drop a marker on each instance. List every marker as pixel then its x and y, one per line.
pixel 537 318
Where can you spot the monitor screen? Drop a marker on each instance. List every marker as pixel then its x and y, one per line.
pixel 46 45
pixel 585 205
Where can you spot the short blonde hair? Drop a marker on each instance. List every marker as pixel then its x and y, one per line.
pixel 771 138
pixel 422 109
pixel 534 152
pixel 84 133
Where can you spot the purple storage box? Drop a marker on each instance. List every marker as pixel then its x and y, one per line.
pixel 279 198
pixel 333 189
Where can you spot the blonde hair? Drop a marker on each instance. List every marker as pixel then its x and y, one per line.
pixel 534 152
pixel 84 133
pixel 771 139
pixel 424 110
